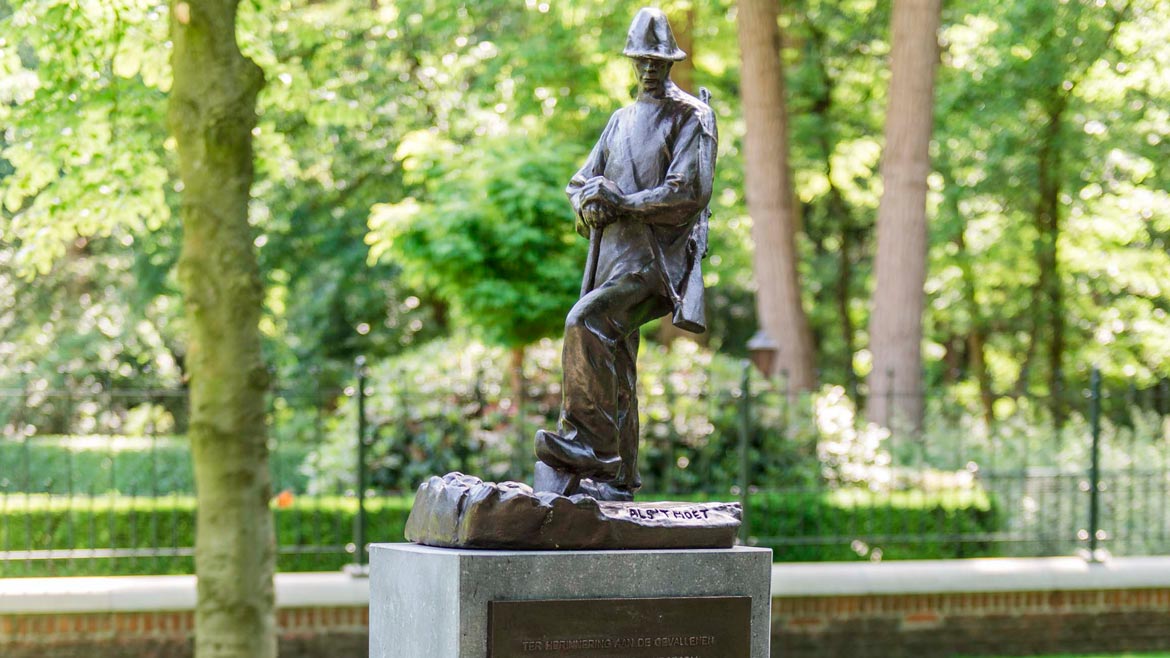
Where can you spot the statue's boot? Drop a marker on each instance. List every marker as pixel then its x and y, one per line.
pixel 559 482
pixel 605 491
pixel 570 455
pixel 567 484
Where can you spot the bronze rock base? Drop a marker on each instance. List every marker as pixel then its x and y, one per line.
pixel 461 511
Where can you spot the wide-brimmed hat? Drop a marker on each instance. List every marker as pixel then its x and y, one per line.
pixel 650 36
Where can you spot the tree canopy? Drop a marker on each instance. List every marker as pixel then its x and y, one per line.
pixel 1047 210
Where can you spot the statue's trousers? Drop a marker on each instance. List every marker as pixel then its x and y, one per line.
pixel 598 435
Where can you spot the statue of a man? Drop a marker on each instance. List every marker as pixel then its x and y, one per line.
pixel 641 199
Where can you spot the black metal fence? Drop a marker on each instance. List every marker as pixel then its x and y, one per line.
pixel 95 480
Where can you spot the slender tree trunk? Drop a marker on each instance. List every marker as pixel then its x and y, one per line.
pixel 1047 219
pixel 977 331
pixel 1046 292
pixel 519 410
pixel 973 336
pixel 977 353
pixel 836 206
pixel 895 329
pixel 769 193
pixel 211 115
pixel 517 377
pixel 682 22
pixel 844 290
pixel 953 352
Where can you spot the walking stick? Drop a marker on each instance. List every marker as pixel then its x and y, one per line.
pixel 591 264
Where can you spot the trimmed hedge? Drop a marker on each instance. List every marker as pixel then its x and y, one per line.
pixel 313 532
pixel 856 524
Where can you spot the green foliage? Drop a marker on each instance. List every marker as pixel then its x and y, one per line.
pixel 313 532
pixel 479 112
pixel 865 525
pixel 84 116
pixel 88 183
pixel 1063 102
pixel 837 73
pixel 41 523
pixel 493 237
pixel 448 406
pixel 348 86
pixel 85 195
pixel 691 403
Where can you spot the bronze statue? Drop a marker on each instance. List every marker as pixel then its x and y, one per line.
pixel 641 199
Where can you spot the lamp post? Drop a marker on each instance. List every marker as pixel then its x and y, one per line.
pixel 763 351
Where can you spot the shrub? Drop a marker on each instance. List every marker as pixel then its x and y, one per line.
pixel 313 532
pixel 860 524
pixel 447 406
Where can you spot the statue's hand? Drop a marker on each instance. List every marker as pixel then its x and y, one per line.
pixel 603 190
pixel 597 215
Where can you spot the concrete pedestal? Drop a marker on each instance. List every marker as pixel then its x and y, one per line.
pixel 433 602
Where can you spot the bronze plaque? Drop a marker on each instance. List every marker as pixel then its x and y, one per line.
pixel 690 627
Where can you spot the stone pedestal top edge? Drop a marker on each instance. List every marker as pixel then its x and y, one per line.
pixel 409 547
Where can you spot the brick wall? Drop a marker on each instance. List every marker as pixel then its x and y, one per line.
pixel 966 624
pixel 928 609
pixel 889 626
pixel 308 632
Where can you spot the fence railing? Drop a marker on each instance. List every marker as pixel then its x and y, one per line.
pixel 111 490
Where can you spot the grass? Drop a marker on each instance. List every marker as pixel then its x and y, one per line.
pixel 1109 655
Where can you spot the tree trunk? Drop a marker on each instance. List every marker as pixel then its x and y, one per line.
pixel 1047 219
pixel 844 288
pixel 836 207
pixel 769 194
pixel 517 378
pixel 519 411
pixel 1048 292
pixel 977 331
pixel 1047 300
pixel 682 20
pixel 895 328
pixel 211 115
pixel 977 353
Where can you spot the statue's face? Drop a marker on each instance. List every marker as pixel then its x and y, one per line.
pixel 652 74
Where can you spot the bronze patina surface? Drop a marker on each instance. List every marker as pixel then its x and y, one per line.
pixel 641 199
pixel 691 627
pixel 461 511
